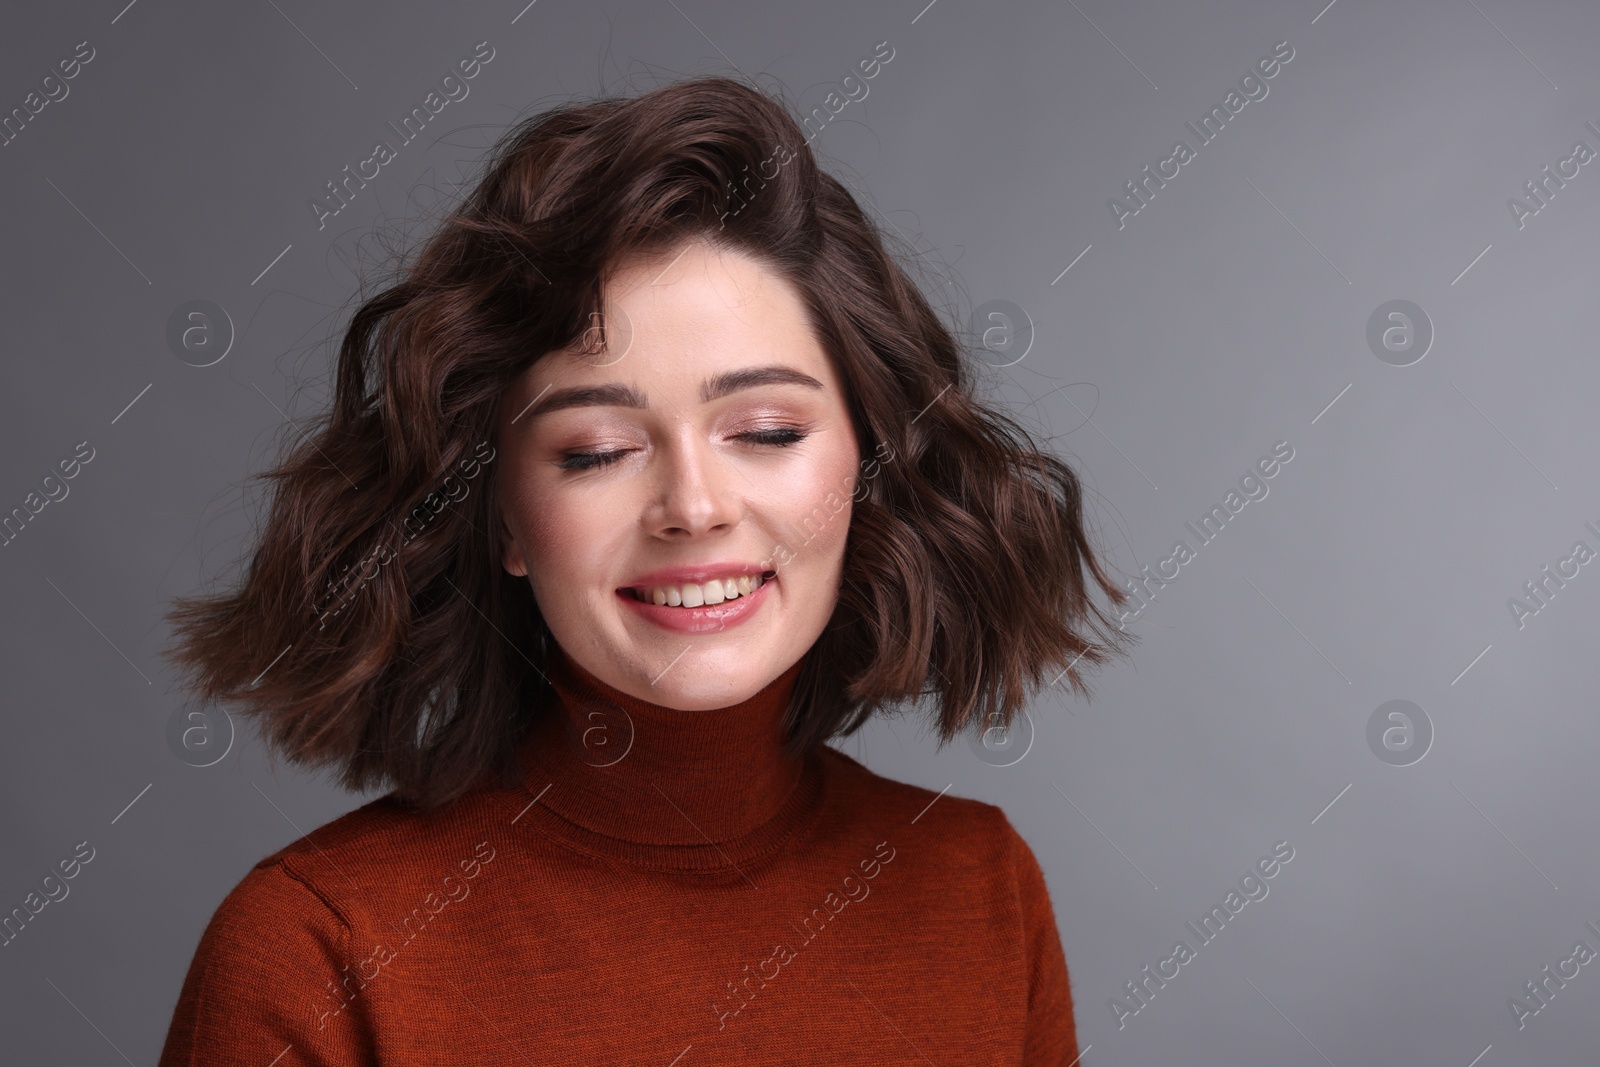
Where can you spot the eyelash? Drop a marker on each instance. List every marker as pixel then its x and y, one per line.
pixel 779 437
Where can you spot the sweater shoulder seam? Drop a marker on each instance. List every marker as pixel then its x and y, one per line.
pixel 284 864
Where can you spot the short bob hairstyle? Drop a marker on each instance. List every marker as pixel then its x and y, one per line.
pixel 373 630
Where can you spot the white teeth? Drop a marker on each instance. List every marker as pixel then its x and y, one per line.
pixel 715 591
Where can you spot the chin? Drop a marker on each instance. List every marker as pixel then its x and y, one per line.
pixel 706 683
pixel 702 700
pixel 680 672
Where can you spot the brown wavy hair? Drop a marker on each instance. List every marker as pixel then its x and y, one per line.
pixel 373 631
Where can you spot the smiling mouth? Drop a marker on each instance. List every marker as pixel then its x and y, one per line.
pixel 700 594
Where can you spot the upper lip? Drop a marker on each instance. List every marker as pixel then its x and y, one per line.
pixel 696 575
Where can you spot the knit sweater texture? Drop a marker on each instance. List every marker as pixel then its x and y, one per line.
pixel 665 888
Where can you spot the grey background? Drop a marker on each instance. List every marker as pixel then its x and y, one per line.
pixel 1229 314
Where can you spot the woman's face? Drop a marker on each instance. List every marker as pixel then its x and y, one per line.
pixel 710 443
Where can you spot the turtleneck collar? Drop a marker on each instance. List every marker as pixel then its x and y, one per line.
pixel 664 788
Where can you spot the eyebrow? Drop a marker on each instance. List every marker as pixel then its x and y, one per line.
pixel 618 394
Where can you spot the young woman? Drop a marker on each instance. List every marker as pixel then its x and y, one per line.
pixel 651 475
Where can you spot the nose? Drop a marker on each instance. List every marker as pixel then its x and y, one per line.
pixel 697 489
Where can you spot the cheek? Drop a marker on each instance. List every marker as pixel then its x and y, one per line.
pixel 552 536
pixel 816 504
pixel 566 537
pixel 531 513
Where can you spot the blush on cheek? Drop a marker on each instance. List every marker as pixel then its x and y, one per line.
pixel 538 535
pixel 567 538
pixel 818 516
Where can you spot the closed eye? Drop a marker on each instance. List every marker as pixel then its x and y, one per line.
pixel 781 437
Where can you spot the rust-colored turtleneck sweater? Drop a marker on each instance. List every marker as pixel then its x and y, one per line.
pixel 666 888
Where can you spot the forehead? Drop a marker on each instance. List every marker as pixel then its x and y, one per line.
pixel 699 279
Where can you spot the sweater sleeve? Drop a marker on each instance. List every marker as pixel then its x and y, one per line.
pixel 261 986
pixel 1052 1037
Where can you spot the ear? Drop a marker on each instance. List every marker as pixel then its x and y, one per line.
pixel 511 557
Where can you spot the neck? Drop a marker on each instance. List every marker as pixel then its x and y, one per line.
pixel 637 778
